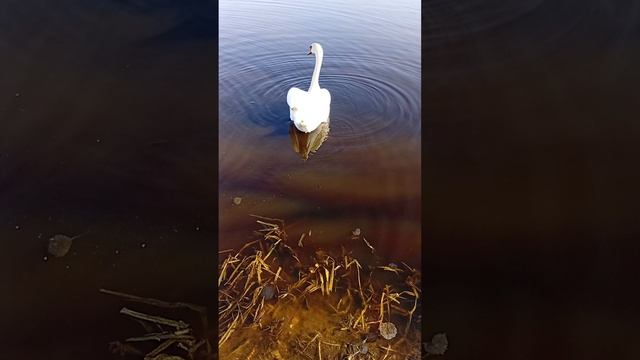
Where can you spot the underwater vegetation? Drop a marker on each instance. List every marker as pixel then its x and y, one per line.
pixel 279 299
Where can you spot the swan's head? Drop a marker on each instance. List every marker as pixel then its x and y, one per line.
pixel 315 48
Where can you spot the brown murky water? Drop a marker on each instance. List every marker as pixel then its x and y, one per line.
pixel 104 127
pixel 531 202
pixel 531 195
pixel 361 170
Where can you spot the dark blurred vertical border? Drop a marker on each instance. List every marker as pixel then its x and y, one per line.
pixel 214 320
pixel 108 123
pixel 530 195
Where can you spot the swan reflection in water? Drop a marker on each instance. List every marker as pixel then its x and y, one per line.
pixel 308 143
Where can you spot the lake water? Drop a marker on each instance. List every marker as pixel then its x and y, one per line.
pixel 366 174
pixel 107 123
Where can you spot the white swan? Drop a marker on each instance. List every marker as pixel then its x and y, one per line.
pixel 308 109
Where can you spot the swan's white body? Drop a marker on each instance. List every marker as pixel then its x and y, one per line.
pixel 308 109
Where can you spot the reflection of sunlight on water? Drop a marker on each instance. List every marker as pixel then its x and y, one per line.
pixel 305 144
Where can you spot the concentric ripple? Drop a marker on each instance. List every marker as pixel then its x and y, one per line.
pixel 371 67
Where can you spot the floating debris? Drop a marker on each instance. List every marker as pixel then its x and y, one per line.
pixel 392 268
pixel 368 245
pixel 388 330
pixel 438 345
pixel 169 334
pixel 59 245
pixel 237 200
pixel 268 292
pixel 165 357
pixel 356 232
pixel 370 337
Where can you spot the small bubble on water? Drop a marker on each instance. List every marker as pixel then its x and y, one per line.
pixel 45 258
pixel 388 330
pixel 143 245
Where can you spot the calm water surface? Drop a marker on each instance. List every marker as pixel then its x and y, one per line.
pixel 366 174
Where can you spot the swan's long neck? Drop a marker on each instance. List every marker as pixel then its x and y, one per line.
pixel 316 71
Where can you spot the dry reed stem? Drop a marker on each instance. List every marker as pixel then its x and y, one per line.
pixel 245 276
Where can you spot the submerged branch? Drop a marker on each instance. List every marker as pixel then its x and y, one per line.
pixel 178 324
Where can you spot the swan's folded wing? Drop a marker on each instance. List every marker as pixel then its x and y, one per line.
pixel 326 96
pixel 295 97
